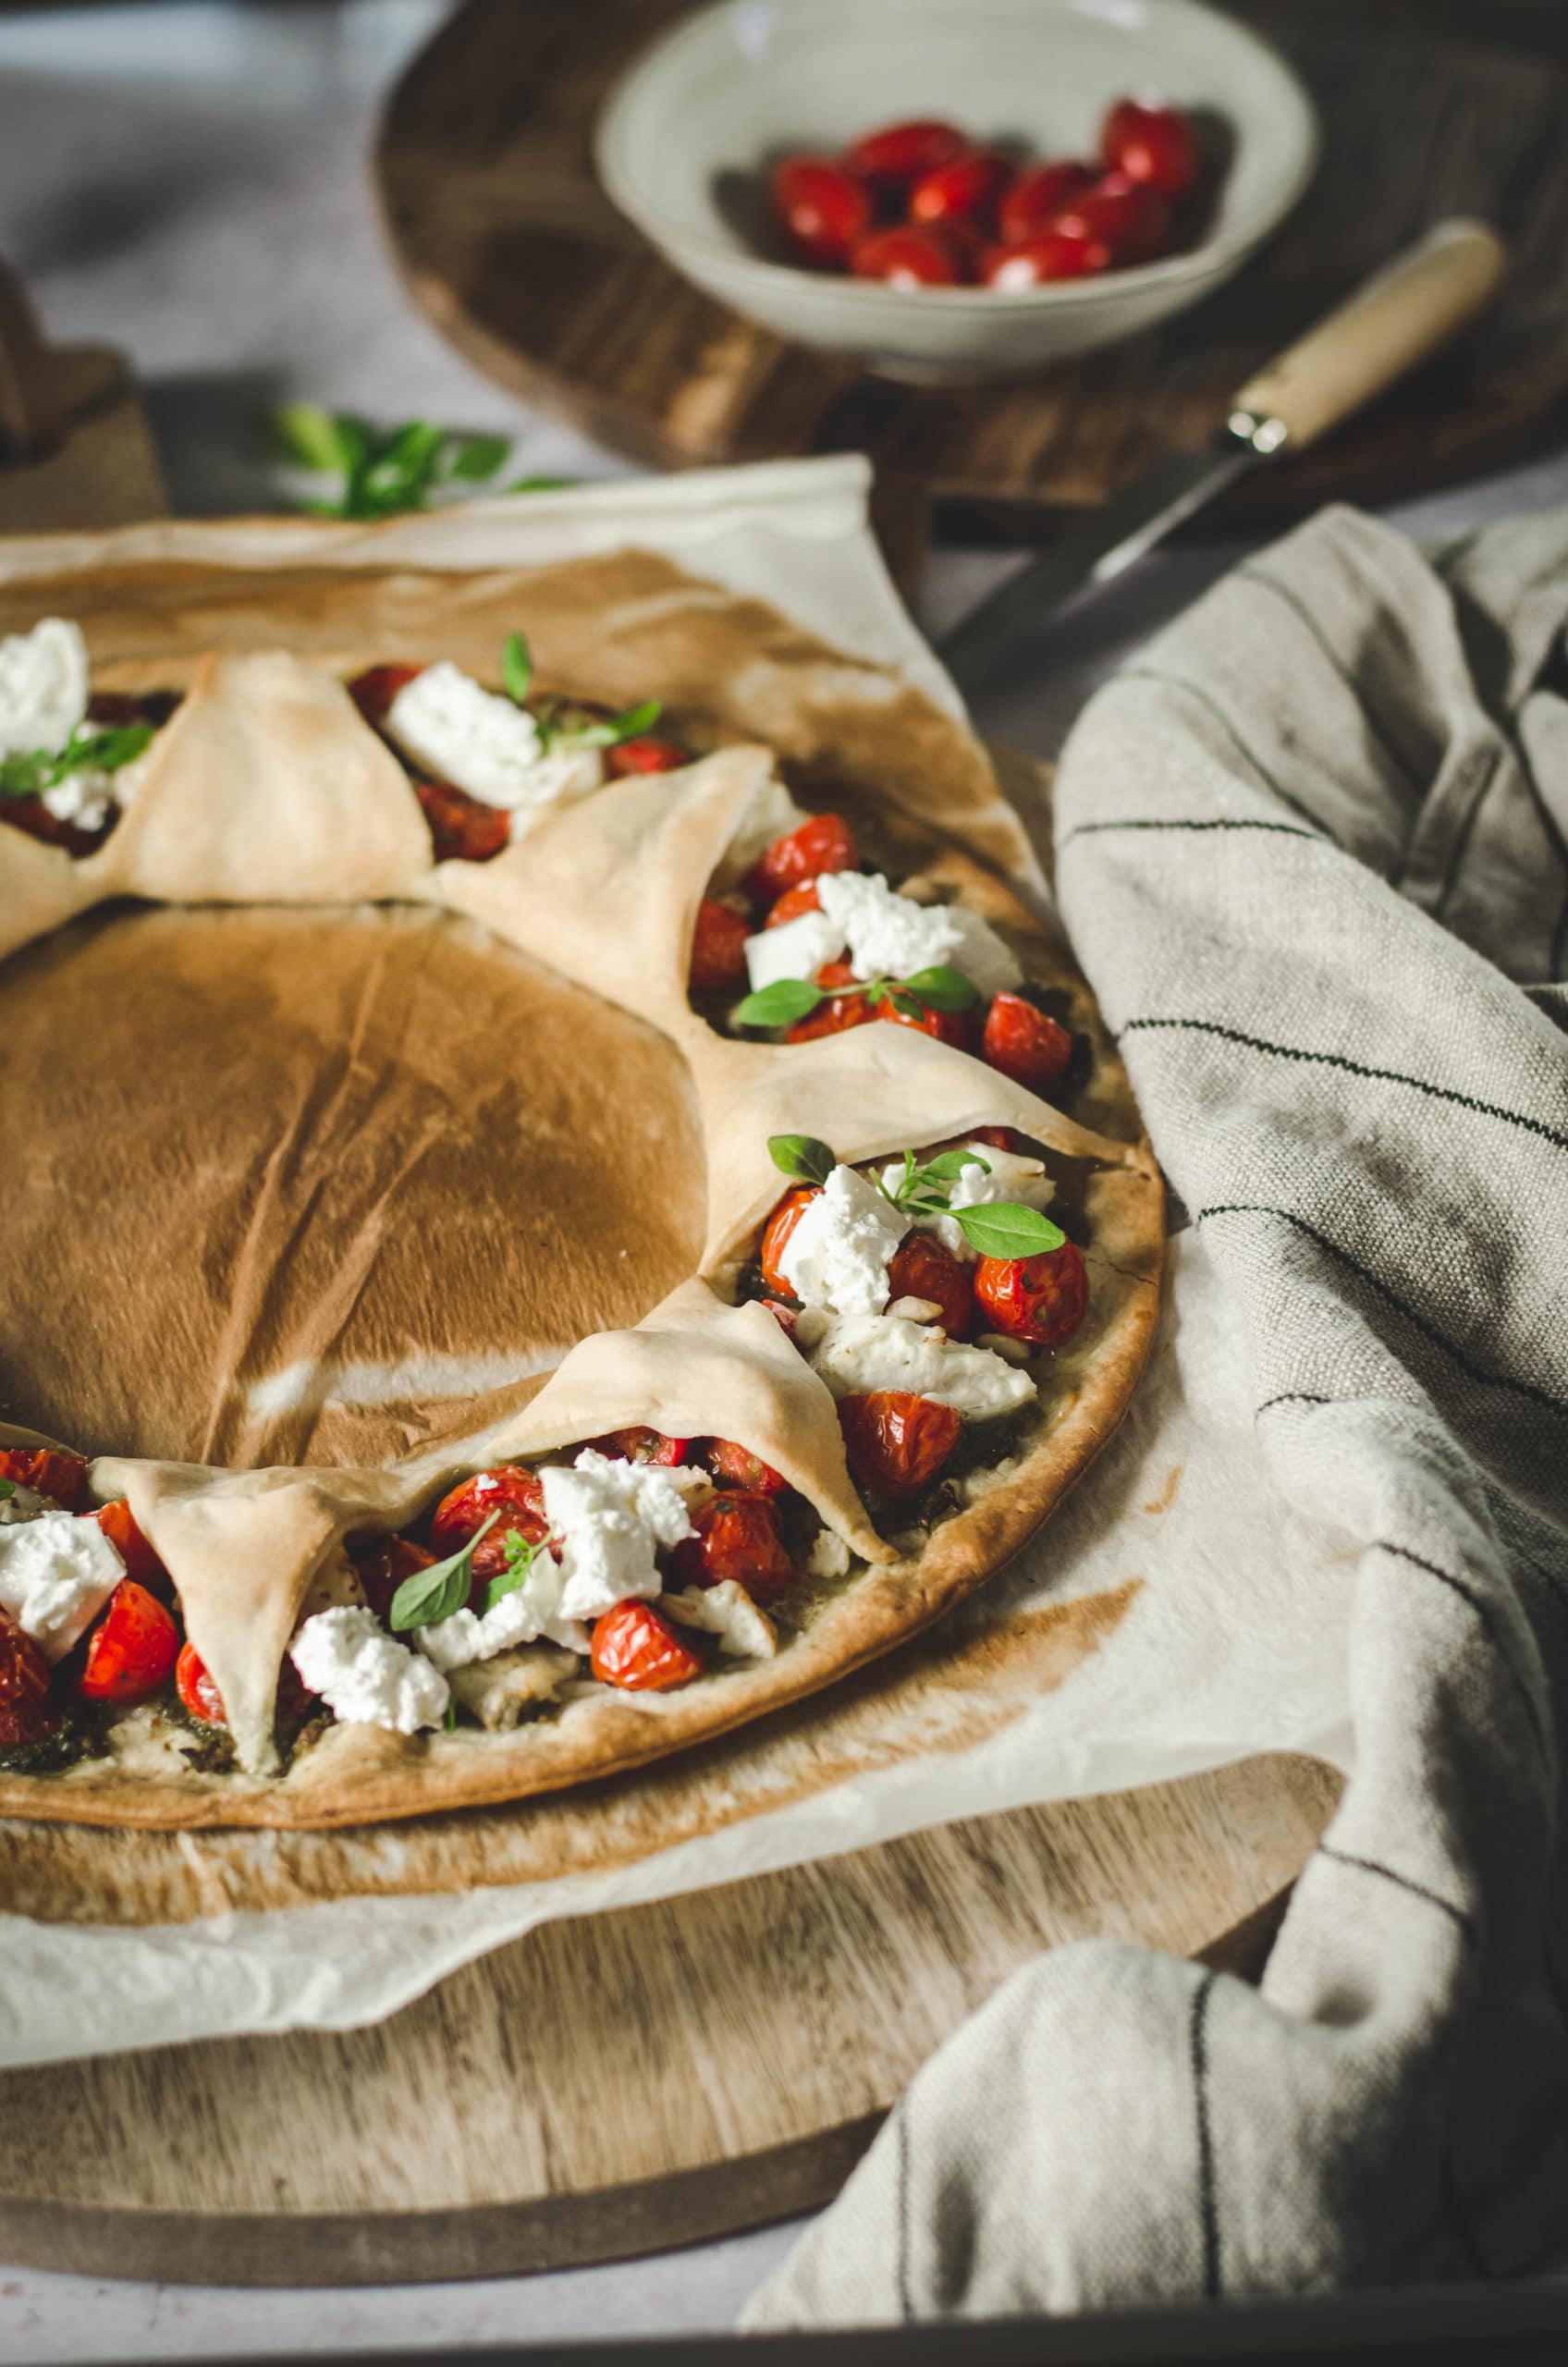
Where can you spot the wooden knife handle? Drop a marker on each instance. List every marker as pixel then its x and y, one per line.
pixel 1403 314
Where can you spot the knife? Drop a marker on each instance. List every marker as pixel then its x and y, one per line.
pixel 1400 315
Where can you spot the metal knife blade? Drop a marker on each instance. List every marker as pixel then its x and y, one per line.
pixel 977 649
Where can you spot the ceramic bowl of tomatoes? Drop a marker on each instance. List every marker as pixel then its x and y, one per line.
pixel 957 190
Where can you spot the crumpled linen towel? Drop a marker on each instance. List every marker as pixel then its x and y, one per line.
pixel 1313 853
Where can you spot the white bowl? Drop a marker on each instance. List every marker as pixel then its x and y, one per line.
pixel 686 136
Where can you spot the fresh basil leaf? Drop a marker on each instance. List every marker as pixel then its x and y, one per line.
pixel 8 1490
pixel 944 989
pixel 781 1004
pixel 332 443
pixel 804 1156
pixel 539 485
pixel 906 1005
pixel 517 668
pixel 475 459
pixel 521 1557
pixel 949 1165
pixel 433 1595
pixel 629 726
pixel 101 751
pixel 874 989
pixel 1007 1229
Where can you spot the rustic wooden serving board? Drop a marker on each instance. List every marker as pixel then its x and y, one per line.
pixel 1430 107
pixel 620 2082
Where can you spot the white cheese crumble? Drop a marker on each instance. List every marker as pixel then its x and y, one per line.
pixel 459 731
pixel 611 1515
pixel 837 1255
pixel 1014 1176
pixel 861 1353
pixel 772 813
pixel 57 1573
pixel 890 936
pixel 365 1676
pixel 531 1610
pixel 44 687
pixel 727 1612
pixel 829 1556
pixel 795 949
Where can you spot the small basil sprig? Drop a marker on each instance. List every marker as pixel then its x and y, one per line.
pixel 997 1229
pixel 802 1157
pixel 104 752
pixel 385 471
pixel 430 1596
pixel 521 1557
pixel 788 1000
pixel 517 676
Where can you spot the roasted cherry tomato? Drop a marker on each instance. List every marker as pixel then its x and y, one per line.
pixel 736 1467
pixel 30 814
pixel 374 691
pixel 906 256
pixel 643 1446
pixel 196 1688
pixel 833 1017
pixel 517 1496
pixel 28 1711
pixel 1155 145
pixel 825 210
pixel 462 828
pixel 922 1267
pixel 998 1137
pixel 780 1225
pixel 956 1027
pixel 902 152
pixel 736 1536
pixel 1129 217
pixel 637 1649
pixel 822 842
pixel 112 710
pixel 719 950
pixel 383 1564
pixel 48 1471
pixel 1062 253
pixel 1026 1044
pixel 1037 196
pixel 895 1441
pixel 646 755
pixel 793 903
pixel 1042 1299
pixel 119 1525
pixel 969 189
pixel 132 1649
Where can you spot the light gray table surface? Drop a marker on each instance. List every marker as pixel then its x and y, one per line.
pixel 189 183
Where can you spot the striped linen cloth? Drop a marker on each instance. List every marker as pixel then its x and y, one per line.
pixel 1313 852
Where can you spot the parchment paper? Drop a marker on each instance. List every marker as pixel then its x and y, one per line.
pixel 1186 1647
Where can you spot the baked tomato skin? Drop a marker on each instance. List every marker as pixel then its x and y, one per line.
pixel 736 1467
pixel 647 755
pixel 132 1650
pixel 822 842
pixel 834 1017
pixel 1024 1044
pixel 793 903
pixel 1041 1299
pixel 48 1471
pixel 462 828
pixel 29 1712
pixel 635 1648
pixel 142 1563
pixel 517 1495
pixel 383 1563
pixel 776 1234
pixel 922 1267
pixel 955 1027
pixel 643 1445
pixel 736 1536
pixel 30 814
pixel 719 950
pixel 196 1688
pixel 895 1441
pixel 374 691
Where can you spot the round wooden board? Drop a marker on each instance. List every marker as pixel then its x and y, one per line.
pixel 1430 107
pixel 628 2081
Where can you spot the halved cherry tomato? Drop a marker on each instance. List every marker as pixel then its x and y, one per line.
pixel 119 1525
pixel 463 829
pixel 922 1267
pixel 1130 217
pixel 822 842
pixel 1026 1044
pixel 1042 1299
pixel 517 1496
pixel 833 1017
pixel 132 1649
pixel 48 1471
pixel 956 1027
pixel 895 1441
pixel 196 1688
pixel 736 1536
pixel 719 950
pixel 643 1446
pixel 969 189
pixel 383 1564
pixel 374 691
pixel 906 256
pixel 776 1235
pixel 737 1467
pixel 902 152
pixel 1037 196
pixel 1155 145
pixel 637 1649
pixel 1060 254
pixel 646 755
pixel 793 903
pixel 28 1711
pixel 824 208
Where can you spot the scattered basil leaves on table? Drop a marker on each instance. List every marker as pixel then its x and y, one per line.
pixel 385 471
